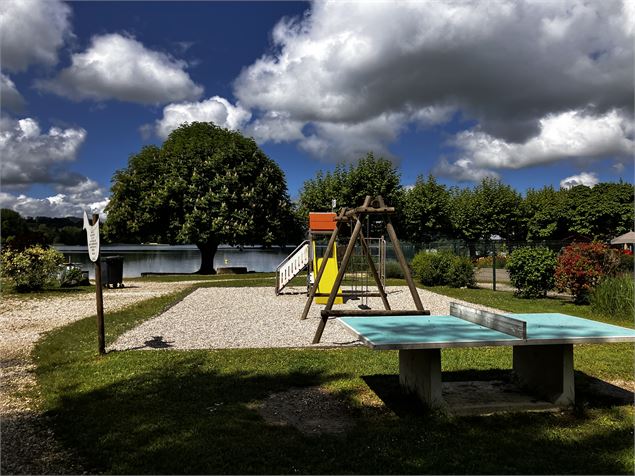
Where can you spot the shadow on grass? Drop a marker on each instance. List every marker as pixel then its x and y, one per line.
pixel 189 417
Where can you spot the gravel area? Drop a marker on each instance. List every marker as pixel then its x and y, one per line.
pixel 27 445
pixel 216 318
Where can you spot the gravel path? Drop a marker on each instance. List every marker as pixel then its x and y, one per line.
pixel 212 318
pixel 27 443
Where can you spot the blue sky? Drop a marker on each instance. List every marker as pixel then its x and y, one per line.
pixel 536 93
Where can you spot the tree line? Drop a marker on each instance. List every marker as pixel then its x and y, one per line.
pixel 20 232
pixel 208 186
pixel 430 211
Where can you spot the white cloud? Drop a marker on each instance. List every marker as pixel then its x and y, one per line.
pixel 215 109
pixel 508 65
pixel 31 156
pixel 10 98
pixel 120 67
pixel 568 135
pixel 86 195
pixel 589 179
pixel 275 127
pixel 336 142
pixel 32 31
pixel 462 170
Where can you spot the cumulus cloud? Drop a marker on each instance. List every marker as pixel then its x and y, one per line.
pixel 10 98
pixel 507 65
pixel 589 179
pixel 569 135
pixel 119 67
pixel 31 156
pixel 31 32
pixel 462 170
pixel 215 109
pixel 72 201
pixel 339 142
pixel 275 127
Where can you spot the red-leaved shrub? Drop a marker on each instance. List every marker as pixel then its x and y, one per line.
pixel 581 266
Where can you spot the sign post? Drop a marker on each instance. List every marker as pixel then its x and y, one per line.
pixel 92 232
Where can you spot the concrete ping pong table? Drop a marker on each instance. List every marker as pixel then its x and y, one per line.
pixel 542 346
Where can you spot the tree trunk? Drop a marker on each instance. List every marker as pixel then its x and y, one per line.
pixel 208 251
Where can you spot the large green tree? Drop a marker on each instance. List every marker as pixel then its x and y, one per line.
pixel 205 185
pixel 545 214
pixel 425 211
pixel 601 212
pixel 491 208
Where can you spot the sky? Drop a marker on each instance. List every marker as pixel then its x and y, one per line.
pixel 533 92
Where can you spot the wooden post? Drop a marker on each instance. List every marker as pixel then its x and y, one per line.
pixel 401 258
pixel 493 266
pixel 101 336
pixel 340 273
pixel 374 272
pixel 325 258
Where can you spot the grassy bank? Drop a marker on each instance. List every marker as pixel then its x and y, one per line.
pixel 191 411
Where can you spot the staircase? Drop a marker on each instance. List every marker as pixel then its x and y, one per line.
pixel 292 265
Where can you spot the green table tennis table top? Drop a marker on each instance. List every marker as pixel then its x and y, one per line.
pixel 421 332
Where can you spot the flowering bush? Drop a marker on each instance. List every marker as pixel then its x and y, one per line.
pixel 31 269
pixel 582 265
pixel 531 271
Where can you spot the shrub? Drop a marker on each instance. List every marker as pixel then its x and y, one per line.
pixel 430 268
pixel 71 276
pixel 441 268
pixel 393 269
pixel 582 265
pixel 531 271
pixel 31 269
pixel 614 296
pixel 461 273
pixel 626 262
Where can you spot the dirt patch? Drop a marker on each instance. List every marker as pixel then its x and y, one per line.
pixel 312 410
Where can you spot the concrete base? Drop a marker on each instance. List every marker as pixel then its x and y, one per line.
pixel 491 396
pixel 420 374
pixel 547 371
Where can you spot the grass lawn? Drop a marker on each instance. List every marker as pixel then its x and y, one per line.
pixel 189 411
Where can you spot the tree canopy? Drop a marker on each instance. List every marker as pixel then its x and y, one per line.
pixel 350 185
pixel 491 208
pixel 425 210
pixel 205 185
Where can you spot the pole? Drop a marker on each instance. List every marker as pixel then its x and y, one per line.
pixel 316 281
pixel 340 272
pixel 494 266
pixel 401 258
pixel 101 336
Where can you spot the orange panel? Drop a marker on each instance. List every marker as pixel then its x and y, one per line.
pixel 322 221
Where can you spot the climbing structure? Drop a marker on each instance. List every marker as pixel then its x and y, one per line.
pixel 356 216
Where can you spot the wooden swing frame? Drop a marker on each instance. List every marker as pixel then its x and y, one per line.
pixel 371 206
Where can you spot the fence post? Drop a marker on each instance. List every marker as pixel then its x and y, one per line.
pixel 494 266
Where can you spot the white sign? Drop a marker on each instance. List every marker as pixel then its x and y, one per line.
pixel 92 232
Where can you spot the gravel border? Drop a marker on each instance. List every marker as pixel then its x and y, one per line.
pixel 221 318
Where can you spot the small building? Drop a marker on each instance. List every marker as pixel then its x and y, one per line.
pixel 627 240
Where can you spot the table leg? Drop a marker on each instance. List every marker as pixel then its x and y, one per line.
pixel 547 370
pixel 420 373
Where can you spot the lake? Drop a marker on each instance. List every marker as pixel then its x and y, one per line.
pixel 139 259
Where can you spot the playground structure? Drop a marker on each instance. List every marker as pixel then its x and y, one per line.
pixel 310 254
pixel 374 208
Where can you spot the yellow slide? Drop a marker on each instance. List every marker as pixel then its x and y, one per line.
pixel 328 278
